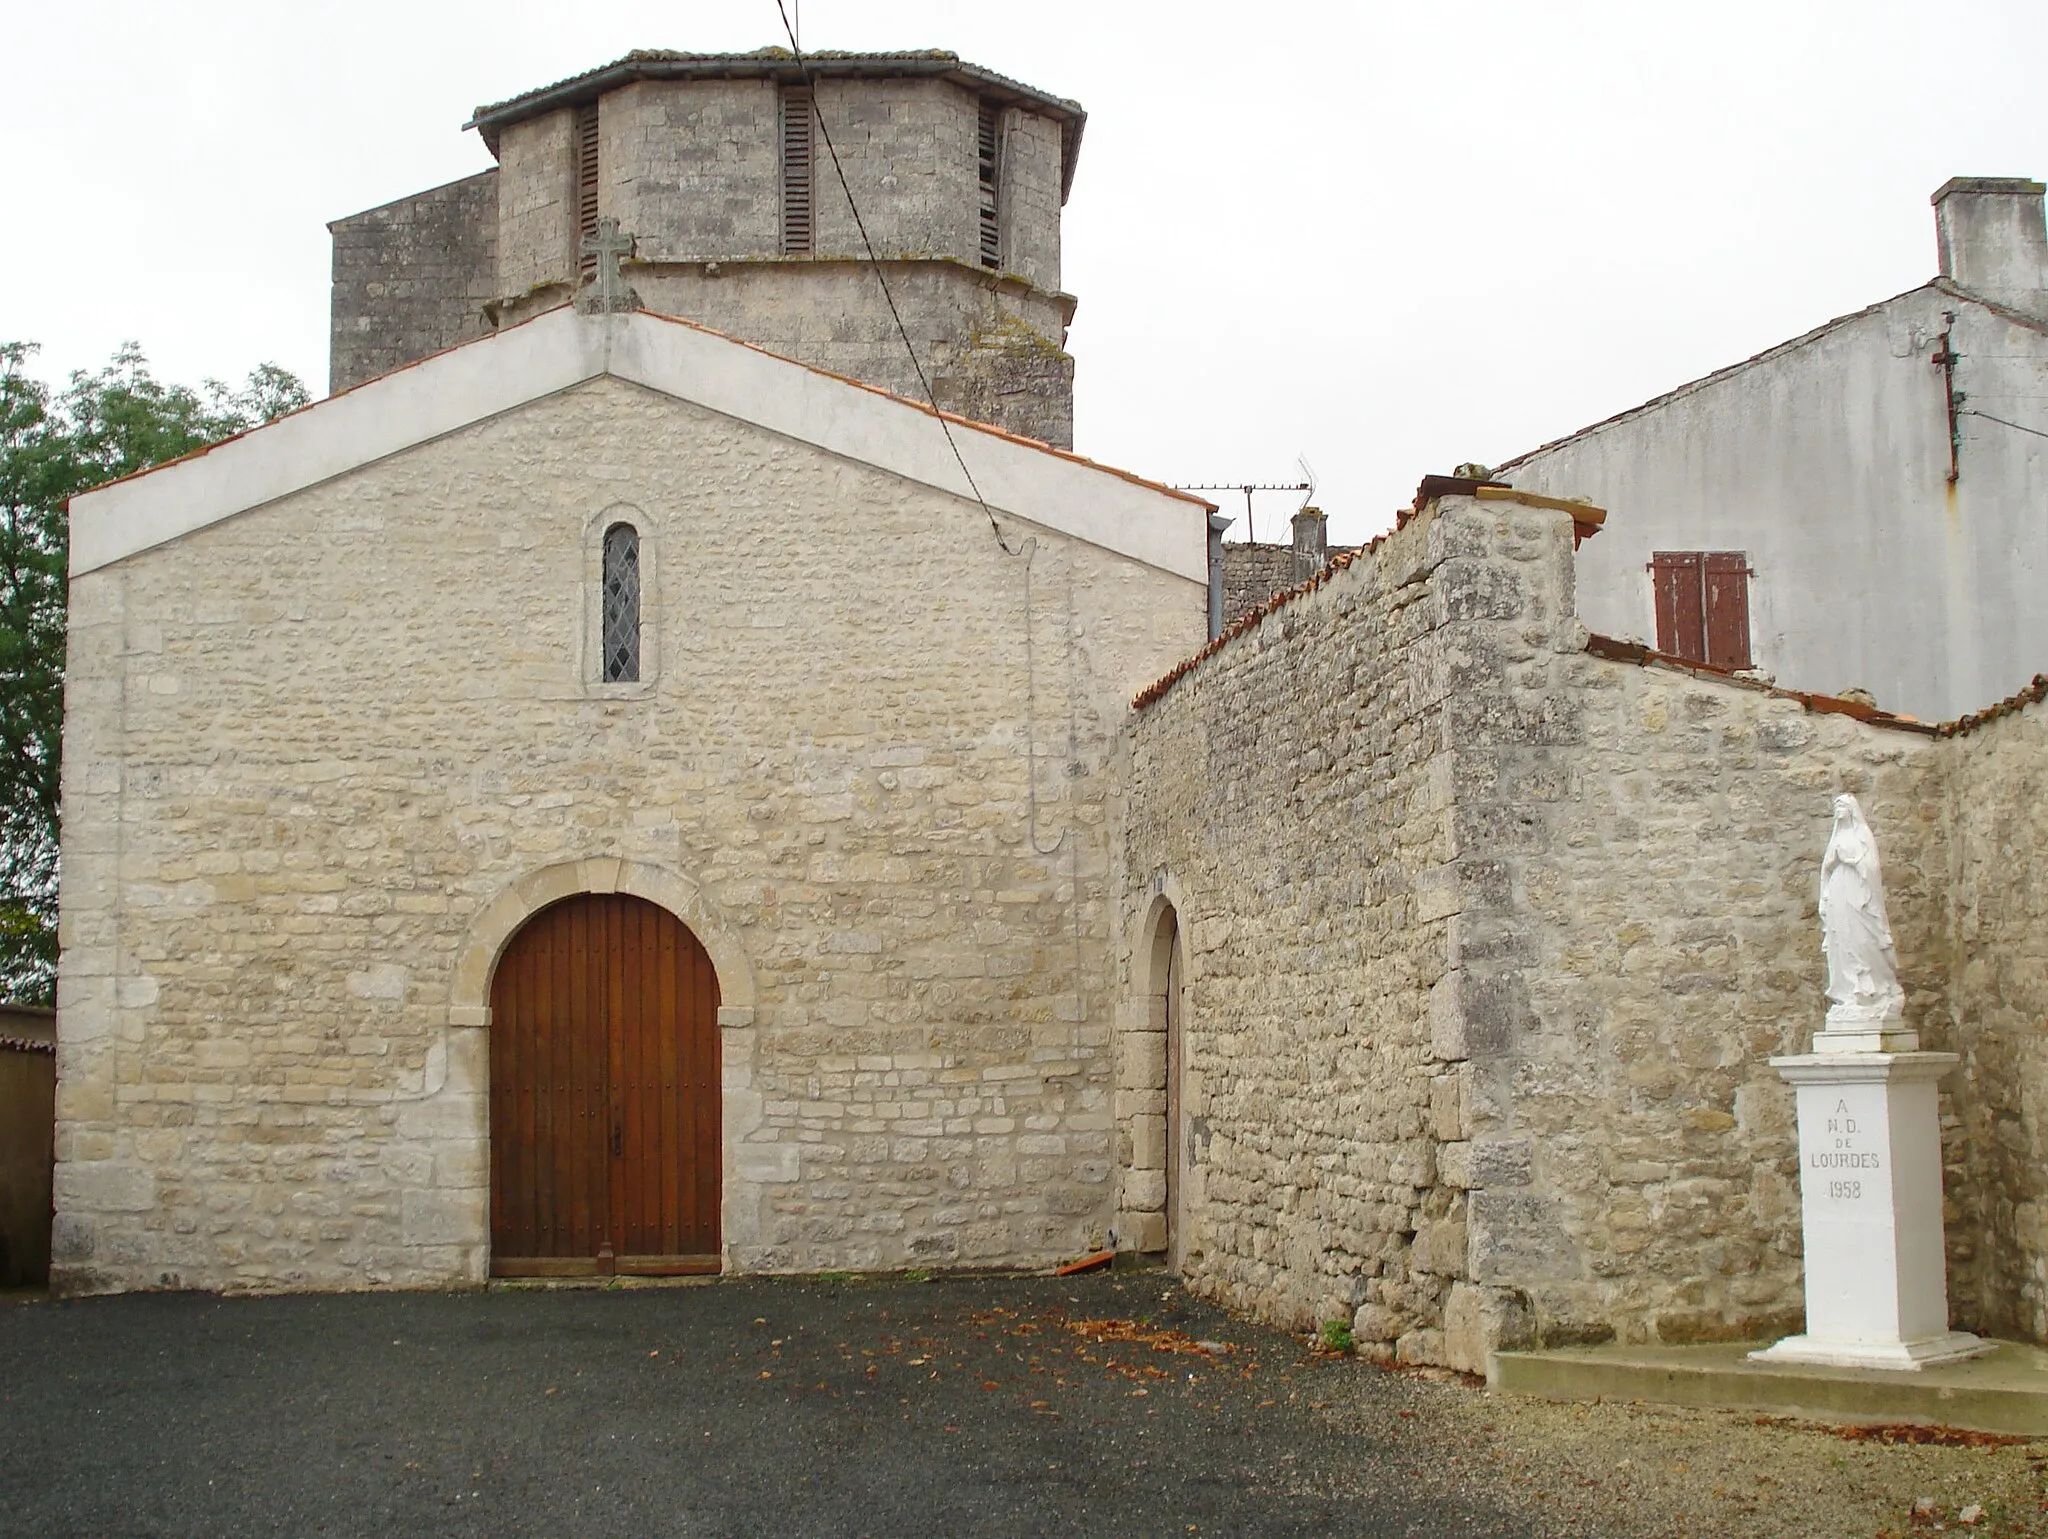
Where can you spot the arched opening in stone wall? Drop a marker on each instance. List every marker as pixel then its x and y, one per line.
pixel 606 1148
pixel 1174 1000
pixel 1155 1084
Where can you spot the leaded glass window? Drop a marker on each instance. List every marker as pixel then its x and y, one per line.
pixel 621 604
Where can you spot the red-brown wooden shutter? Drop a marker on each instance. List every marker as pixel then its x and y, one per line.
pixel 585 148
pixel 1681 606
pixel 1726 581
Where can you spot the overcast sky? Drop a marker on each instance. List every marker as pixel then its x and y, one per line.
pixel 1387 236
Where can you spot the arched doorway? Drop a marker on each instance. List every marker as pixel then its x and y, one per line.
pixel 1157 1190
pixel 605 1092
pixel 1176 1094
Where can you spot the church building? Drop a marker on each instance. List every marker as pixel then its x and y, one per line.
pixel 606 797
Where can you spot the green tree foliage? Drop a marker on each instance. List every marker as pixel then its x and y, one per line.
pixel 53 445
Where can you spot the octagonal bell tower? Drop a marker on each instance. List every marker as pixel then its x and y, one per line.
pixel 718 168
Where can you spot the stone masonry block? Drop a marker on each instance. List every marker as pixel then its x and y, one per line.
pixel 1141 1063
pixel 1446 1106
pixel 1448 1037
pixel 104 1186
pixel 1144 1233
pixel 1479 1321
pixel 1438 893
pixel 1485 1162
pixel 1516 1240
pixel 1440 1248
pixel 445 1217
pixel 1145 1190
pixel 1148 1142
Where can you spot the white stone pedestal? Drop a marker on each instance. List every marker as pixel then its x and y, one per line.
pixel 1870 1188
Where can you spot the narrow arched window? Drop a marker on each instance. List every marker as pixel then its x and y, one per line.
pixel 621 604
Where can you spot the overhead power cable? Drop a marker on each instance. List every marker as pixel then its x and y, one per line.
pixel 2018 427
pixel 875 263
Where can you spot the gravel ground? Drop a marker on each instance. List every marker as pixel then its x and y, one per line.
pixel 1635 1469
pixel 1104 1404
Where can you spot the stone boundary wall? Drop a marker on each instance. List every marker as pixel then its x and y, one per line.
pixel 1487 941
pixel 1337 932
pixel 1677 935
pixel 1633 1171
pixel 1997 1014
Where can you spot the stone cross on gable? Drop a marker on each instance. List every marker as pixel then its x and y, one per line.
pixel 607 292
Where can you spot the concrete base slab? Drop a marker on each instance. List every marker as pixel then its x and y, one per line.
pixel 1910 1356
pixel 2003 1390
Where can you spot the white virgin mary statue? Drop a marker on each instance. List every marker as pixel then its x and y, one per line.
pixel 1863 970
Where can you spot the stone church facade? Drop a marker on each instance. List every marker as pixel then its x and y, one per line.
pixel 607 798
pixel 339 726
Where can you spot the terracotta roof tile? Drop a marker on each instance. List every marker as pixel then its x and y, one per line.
pixel 1641 656
pixel 2012 704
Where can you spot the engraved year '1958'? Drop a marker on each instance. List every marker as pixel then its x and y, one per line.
pixel 1841 1132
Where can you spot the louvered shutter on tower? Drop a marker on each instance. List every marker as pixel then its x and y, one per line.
pixel 586 189
pixel 991 224
pixel 798 164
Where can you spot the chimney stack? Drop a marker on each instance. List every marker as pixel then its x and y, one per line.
pixel 1311 543
pixel 1993 241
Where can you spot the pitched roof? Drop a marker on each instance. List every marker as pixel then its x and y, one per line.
pixel 782 66
pixel 1049 487
pixel 1946 286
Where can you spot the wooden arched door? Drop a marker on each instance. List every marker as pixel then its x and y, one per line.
pixel 605 1147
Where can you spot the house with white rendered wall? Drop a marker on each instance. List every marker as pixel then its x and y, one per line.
pixel 1864 506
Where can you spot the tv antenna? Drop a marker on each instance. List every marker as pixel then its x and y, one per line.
pixel 1248 487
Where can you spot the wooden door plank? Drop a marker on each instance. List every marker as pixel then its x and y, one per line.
pixel 548 1101
pixel 658 1007
pixel 525 1032
pixel 645 929
pixel 622 988
pixel 541 1043
pixel 657 1021
pixel 667 1075
pixel 669 1266
pixel 590 1186
pixel 572 1169
pixel 545 1266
